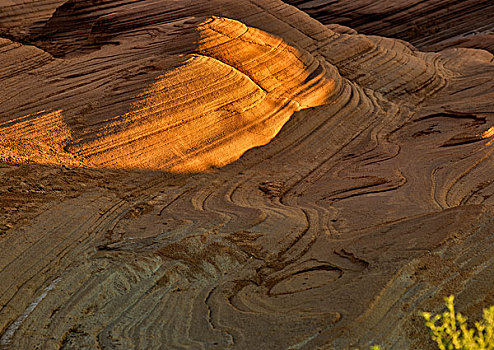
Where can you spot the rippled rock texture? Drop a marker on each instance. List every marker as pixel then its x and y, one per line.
pixel 217 174
pixel 429 25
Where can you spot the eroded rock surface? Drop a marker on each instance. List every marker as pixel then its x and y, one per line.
pixel 429 25
pixel 234 174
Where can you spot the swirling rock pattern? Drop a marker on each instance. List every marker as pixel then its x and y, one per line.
pixel 355 189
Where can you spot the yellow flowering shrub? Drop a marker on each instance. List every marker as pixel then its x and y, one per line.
pixel 450 330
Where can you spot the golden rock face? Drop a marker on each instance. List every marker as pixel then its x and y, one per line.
pixel 214 174
pixel 234 94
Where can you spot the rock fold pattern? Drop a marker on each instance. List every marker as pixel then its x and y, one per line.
pixel 216 174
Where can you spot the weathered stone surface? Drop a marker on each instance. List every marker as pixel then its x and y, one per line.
pixel 429 25
pixel 216 174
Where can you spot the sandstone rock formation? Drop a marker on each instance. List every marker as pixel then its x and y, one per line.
pixel 429 25
pixel 216 174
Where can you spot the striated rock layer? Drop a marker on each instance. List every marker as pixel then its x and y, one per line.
pixel 355 189
pixel 234 93
pixel 430 25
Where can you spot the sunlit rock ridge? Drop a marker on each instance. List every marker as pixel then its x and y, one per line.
pixel 234 174
pixel 235 92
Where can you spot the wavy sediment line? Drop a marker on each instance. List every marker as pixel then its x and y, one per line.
pixel 409 74
pixel 348 221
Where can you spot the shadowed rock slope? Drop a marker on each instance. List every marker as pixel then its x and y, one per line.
pixel 429 25
pixel 233 174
